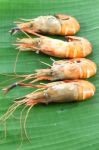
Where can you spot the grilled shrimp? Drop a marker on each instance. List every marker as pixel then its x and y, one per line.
pixel 56 92
pixel 74 47
pixel 57 25
pixel 77 68
pixel 62 91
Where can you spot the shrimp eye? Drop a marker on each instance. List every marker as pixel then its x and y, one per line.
pixel 75 61
pixel 30 25
pixel 39 41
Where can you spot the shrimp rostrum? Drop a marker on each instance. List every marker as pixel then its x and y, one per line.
pixel 57 25
pixel 74 47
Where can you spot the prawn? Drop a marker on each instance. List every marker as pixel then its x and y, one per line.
pixel 74 47
pixel 77 68
pixel 57 92
pixel 61 91
pixel 56 25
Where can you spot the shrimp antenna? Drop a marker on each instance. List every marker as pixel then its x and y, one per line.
pixel 5 128
pixel 21 114
pixel 5 132
pixel 33 32
pixel 45 63
pixel 26 19
pixel 9 112
pixel 26 34
pixel 25 122
pixel 16 62
pixel 53 60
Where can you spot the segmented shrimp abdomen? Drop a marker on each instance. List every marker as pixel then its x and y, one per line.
pixel 78 47
pixel 69 90
pixel 85 89
pixel 69 26
pixel 87 68
pixel 77 68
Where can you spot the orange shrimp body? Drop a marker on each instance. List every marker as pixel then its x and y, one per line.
pixel 74 47
pixel 56 25
pixel 77 68
pixel 61 91
pixel 56 92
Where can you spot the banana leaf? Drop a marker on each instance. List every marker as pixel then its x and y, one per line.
pixel 73 126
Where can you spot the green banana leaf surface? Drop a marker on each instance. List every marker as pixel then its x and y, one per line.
pixel 73 126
